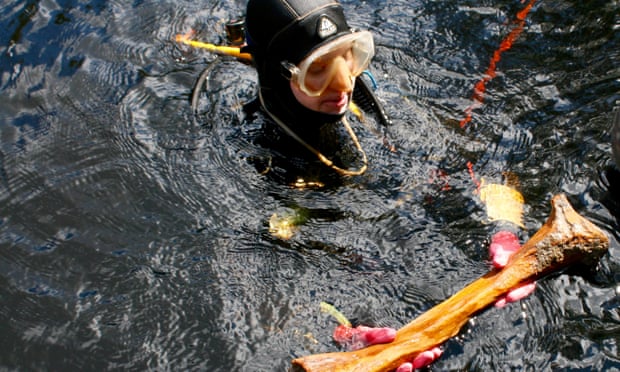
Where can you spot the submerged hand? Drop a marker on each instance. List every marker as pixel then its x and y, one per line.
pixel 362 336
pixel 355 338
pixel 421 360
pixel 503 245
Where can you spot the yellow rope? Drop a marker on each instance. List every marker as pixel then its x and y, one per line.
pixel 323 158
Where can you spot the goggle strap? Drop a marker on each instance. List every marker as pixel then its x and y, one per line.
pixel 289 70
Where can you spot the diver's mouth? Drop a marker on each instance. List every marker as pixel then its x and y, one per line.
pixel 336 103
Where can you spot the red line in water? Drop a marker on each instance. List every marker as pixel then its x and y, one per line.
pixel 506 44
pixel 472 174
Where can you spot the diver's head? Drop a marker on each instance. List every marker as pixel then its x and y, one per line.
pixel 307 58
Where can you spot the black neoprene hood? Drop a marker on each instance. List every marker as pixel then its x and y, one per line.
pixel 290 29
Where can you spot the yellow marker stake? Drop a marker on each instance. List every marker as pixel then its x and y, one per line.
pixel 219 49
pixel 331 310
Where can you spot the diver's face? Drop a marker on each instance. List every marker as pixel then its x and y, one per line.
pixel 324 79
pixel 335 98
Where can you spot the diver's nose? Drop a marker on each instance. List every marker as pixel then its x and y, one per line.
pixel 342 80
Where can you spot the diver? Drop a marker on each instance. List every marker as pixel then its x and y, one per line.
pixel 309 63
pixel 308 60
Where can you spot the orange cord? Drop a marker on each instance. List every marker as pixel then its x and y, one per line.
pixel 505 45
pixel 470 168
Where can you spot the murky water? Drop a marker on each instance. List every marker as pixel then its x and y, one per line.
pixel 134 234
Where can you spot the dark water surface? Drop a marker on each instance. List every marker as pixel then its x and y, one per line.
pixel 134 234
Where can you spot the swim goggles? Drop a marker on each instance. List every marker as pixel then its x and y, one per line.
pixel 315 72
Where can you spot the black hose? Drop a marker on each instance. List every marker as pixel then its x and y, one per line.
pixel 203 79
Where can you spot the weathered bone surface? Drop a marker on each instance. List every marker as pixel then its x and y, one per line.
pixel 564 239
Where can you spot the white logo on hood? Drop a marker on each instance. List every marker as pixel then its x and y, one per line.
pixel 326 27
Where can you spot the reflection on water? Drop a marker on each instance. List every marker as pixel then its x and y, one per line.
pixel 135 234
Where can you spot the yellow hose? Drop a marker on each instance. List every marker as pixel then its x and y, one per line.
pixel 219 49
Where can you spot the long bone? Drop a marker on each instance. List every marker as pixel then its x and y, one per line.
pixel 565 238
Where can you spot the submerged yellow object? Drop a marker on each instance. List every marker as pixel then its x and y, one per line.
pixel 282 227
pixel 503 203
pixel 286 223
